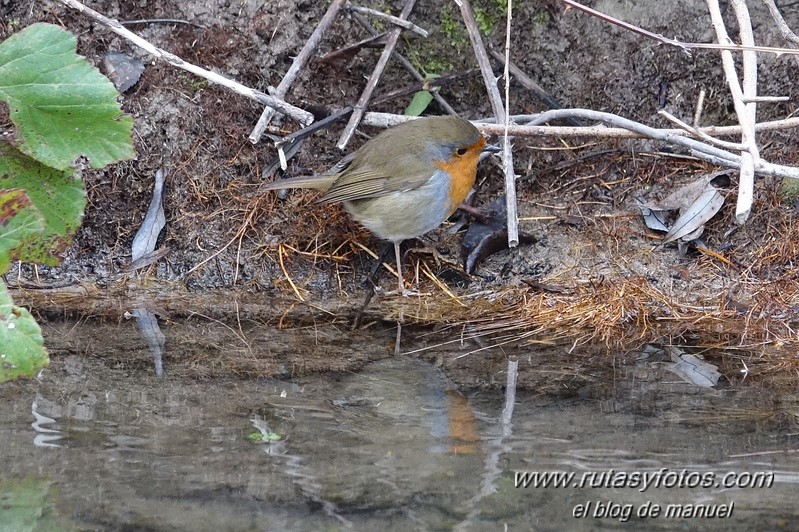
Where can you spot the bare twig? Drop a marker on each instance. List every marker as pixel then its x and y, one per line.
pixel 345 53
pixel 300 115
pixel 162 21
pixel 700 106
pixel 363 101
pixel 625 128
pixel 494 97
pixel 685 46
pixel 407 65
pixel 402 23
pixel 682 125
pixel 766 99
pixel 430 85
pixel 745 112
pixel 297 65
pixel 489 126
pixel 751 154
pixel 507 154
pixel 785 31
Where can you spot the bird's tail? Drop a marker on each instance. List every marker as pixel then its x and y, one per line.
pixel 319 182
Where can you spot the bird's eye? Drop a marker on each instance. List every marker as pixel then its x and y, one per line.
pixel 461 151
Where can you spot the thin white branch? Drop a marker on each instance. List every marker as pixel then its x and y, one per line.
pixel 500 113
pixel 745 112
pixel 402 23
pixel 625 128
pixel 490 80
pixel 507 154
pixel 300 115
pixel 690 129
pixel 700 106
pixel 766 99
pixel 746 181
pixel 785 31
pixel 685 46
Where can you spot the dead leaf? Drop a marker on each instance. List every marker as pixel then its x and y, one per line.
pixel 691 222
pixel 697 203
pixel 154 221
pixel 489 236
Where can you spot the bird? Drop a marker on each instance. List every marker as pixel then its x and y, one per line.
pixel 405 181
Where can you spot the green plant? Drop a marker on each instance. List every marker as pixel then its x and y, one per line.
pixel 542 18
pixel 449 27
pixel 62 109
pixel 485 20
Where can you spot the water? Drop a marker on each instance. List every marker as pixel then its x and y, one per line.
pixel 99 442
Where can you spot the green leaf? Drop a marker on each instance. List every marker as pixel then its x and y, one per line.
pixel 61 105
pixel 19 220
pixel 22 352
pixel 57 195
pixel 419 103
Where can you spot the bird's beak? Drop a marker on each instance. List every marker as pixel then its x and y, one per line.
pixel 492 148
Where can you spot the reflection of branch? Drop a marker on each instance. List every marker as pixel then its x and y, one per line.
pixel 496 447
pixel 300 115
pixel 510 397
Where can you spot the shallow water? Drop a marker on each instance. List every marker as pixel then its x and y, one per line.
pixel 100 442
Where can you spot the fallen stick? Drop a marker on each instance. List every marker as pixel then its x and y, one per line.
pixel 300 115
pixel 363 101
pixel 499 112
pixel 299 62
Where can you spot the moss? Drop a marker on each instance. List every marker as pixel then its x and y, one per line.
pixel 429 60
pixel 485 20
pixel 450 27
pixel 542 18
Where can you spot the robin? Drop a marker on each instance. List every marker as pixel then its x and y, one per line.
pixel 405 181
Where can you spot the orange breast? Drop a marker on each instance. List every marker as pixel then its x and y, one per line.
pixel 463 173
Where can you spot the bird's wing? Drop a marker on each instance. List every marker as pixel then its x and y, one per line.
pixel 368 182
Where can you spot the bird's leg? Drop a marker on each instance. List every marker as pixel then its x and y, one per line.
pixel 399 267
pixel 373 274
pixel 372 278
